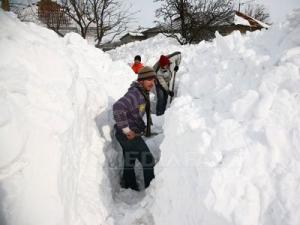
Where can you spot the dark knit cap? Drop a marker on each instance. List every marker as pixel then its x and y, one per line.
pixel 164 60
pixel 138 57
pixel 145 73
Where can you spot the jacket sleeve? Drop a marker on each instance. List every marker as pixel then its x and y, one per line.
pixel 175 59
pixel 160 79
pixel 163 83
pixel 123 106
pixel 156 66
pixel 120 114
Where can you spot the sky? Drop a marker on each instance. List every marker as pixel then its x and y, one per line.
pixel 278 10
pixel 145 11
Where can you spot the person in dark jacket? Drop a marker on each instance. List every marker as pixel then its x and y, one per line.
pixel 128 113
pixel 165 68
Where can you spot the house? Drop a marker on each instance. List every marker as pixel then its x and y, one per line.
pixel 253 23
pixel 240 22
pixel 244 23
pixel 151 32
pixel 110 45
pixel 141 34
pixel 132 36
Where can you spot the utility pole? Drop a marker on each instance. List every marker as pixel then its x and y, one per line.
pixel 5 5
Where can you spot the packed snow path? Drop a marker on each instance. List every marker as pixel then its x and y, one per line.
pixel 127 204
pixel 230 150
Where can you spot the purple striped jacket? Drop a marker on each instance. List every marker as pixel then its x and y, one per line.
pixel 129 110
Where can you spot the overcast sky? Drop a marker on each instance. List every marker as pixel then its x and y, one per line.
pixel 277 8
pixel 146 15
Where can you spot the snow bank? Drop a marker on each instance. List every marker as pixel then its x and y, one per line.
pixel 51 158
pixel 231 148
pixel 149 50
pixel 231 137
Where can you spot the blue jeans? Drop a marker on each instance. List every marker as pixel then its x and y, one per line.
pixel 162 99
pixel 132 150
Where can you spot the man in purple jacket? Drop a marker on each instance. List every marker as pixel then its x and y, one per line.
pixel 128 113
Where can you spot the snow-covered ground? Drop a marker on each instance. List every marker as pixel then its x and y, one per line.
pixel 228 155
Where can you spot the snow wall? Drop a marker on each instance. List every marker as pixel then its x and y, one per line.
pixel 231 149
pixel 52 90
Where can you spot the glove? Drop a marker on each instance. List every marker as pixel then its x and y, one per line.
pixel 176 68
pixel 171 93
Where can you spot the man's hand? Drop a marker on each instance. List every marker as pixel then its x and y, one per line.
pixel 176 68
pixel 131 135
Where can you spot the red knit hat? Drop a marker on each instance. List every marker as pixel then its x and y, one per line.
pixel 164 60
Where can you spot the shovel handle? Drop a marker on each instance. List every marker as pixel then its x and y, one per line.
pixel 173 85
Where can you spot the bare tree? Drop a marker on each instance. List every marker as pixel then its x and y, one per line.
pixel 53 15
pixel 110 17
pixel 191 20
pixel 258 12
pixel 176 17
pixel 80 11
pixel 210 15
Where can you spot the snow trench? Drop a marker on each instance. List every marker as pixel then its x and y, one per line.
pixel 128 206
pixel 228 155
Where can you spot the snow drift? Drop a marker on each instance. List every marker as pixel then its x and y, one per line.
pixel 51 91
pixel 236 135
pixel 230 149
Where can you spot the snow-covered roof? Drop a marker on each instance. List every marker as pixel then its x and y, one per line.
pixel 240 21
pixel 262 23
pixel 136 34
pixel 243 19
pixel 132 34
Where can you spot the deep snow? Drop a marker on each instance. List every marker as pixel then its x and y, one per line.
pixel 229 152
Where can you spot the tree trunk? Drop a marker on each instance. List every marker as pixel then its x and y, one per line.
pixel 5 5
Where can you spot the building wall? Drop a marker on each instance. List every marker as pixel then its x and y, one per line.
pixel 129 38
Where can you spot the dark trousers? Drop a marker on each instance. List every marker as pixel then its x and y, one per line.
pixel 132 150
pixel 162 99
